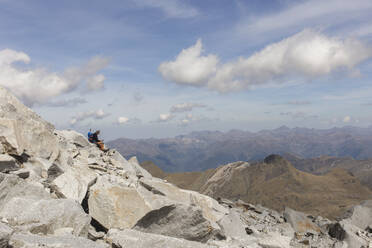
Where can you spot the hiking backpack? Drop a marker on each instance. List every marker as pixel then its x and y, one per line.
pixel 90 136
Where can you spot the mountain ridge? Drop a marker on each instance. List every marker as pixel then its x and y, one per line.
pixel 203 150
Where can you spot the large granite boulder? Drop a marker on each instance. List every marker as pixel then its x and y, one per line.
pixel 360 215
pixel 180 221
pixel 355 224
pixel 114 205
pixel 232 225
pixel 74 183
pixel 300 222
pixel 211 209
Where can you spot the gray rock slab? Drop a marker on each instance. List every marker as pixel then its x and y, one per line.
pixel 140 172
pixel 136 239
pixel 34 241
pixel 232 225
pixel 12 186
pixel 275 240
pixel 74 183
pixel 74 137
pixel 46 216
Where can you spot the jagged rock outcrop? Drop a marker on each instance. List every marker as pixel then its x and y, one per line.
pixel 58 190
pixel 23 131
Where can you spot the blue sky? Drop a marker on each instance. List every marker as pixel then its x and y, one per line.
pixel 159 68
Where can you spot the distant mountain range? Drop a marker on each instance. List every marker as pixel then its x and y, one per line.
pixel 274 183
pixel 203 150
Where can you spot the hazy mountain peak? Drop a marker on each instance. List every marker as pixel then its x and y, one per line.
pixel 274 159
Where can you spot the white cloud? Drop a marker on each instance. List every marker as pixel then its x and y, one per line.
pixel 97 115
pixel 187 119
pixel 190 67
pixel 298 102
pixel 39 85
pixel 346 119
pixel 100 114
pixel 305 14
pixel 123 120
pixel 67 102
pixel 87 73
pixel 190 118
pixel 96 82
pixel 307 54
pixel 172 8
pixel 185 107
pixel 165 117
pixel 299 115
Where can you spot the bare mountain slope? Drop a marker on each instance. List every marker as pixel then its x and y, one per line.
pixel 275 183
pixel 362 169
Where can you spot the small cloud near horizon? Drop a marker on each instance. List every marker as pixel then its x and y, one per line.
pixel 97 115
pixel 67 102
pixel 186 107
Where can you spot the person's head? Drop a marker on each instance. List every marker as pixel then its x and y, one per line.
pixel 97 132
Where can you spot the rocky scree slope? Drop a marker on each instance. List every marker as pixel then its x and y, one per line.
pixel 59 191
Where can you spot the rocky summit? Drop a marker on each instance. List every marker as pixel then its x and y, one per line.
pixel 58 190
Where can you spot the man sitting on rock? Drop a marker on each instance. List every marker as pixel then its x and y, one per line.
pixel 94 139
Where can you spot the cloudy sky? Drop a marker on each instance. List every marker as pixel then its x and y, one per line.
pixel 159 68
